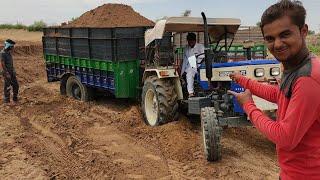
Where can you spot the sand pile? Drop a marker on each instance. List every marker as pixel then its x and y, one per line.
pixel 111 15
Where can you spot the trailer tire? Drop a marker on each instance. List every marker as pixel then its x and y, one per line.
pixel 63 83
pixel 211 133
pixel 159 101
pixel 75 89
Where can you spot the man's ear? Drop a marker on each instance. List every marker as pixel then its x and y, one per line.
pixel 304 30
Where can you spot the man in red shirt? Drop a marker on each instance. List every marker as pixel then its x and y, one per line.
pixel 296 132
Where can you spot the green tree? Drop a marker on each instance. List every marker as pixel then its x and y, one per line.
pixel 258 24
pixel 37 26
pixel 72 19
pixel 310 32
pixel 13 26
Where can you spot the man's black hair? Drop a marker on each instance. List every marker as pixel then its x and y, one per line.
pixel 191 37
pixel 292 8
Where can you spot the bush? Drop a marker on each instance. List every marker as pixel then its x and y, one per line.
pixel 37 26
pixel 13 26
pixel 315 49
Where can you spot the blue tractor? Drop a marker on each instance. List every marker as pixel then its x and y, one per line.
pixel 163 88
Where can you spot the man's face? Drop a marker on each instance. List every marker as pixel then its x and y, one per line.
pixel 284 39
pixel 191 43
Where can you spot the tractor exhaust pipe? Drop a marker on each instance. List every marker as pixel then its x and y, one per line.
pixel 207 51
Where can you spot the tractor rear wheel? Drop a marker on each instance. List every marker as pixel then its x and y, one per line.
pixel 159 101
pixel 211 133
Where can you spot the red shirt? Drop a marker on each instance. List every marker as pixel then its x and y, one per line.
pixel 296 132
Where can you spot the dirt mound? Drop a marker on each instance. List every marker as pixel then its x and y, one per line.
pixel 111 15
pixel 30 49
pixel 20 35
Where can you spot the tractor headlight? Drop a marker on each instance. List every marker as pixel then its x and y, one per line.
pixel 259 72
pixel 275 71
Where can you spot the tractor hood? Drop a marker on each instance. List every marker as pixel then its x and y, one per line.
pixel 217 27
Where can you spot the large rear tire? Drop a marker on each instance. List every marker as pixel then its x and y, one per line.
pixel 211 133
pixel 75 89
pixel 159 101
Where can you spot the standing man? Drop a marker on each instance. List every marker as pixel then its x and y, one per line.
pixel 296 132
pixel 9 73
pixel 192 49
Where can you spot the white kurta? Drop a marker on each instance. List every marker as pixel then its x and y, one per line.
pixel 191 72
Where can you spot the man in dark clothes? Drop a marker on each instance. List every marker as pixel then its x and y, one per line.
pixel 9 73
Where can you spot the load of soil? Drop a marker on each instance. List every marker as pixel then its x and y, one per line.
pixel 111 15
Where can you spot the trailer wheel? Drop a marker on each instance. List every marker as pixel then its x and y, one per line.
pixel 159 101
pixel 63 83
pixel 211 133
pixel 75 89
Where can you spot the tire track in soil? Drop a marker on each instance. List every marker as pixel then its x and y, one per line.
pixel 181 142
pixel 47 146
pixel 177 170
pixel 40 143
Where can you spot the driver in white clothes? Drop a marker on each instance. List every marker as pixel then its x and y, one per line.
pixel 192 49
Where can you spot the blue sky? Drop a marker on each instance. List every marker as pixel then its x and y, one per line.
pixel 57 11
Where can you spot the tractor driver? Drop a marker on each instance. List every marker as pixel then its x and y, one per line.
pixel 192 49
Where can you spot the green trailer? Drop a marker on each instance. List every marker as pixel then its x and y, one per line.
pixel 84 59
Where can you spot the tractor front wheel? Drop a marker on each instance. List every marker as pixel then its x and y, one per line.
pixel 211 133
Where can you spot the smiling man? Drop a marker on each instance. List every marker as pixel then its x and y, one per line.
pixel 296 132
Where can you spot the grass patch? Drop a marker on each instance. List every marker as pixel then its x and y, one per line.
pixel 314 49
pixel 36 26
pixel 13 26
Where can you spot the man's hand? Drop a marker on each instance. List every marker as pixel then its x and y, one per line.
pixel 235 76
pixel 242 97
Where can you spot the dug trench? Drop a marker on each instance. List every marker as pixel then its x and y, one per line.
pixel 48 136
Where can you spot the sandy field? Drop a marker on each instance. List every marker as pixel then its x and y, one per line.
pixel 48 136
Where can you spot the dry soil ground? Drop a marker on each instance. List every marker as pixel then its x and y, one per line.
pixel 49 136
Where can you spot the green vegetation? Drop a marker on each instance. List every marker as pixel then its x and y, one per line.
pixel 314 49
pixel 258 24
pixel 310 32
pixel 36 26
pixel 13 26
pixel 313 42
pixel 72 19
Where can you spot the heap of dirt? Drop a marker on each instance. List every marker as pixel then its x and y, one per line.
pixel 111 15
pixel 23 49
